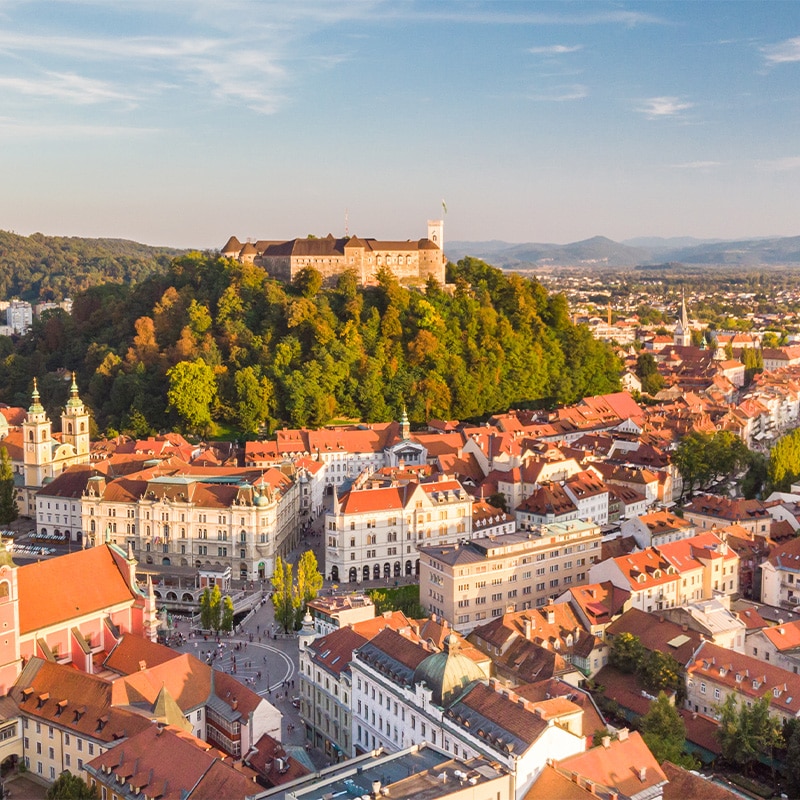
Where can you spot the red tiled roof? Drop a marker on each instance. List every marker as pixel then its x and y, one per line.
pixel 618 766
pixel 89 581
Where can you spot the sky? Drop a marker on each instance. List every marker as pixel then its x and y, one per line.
pixel 183 122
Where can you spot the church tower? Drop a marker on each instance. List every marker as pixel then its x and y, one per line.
pixel 75 422
pixel 38 448
pixel 683 334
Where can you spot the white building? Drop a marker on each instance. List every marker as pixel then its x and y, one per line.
pixel 374 529
pixel 404 692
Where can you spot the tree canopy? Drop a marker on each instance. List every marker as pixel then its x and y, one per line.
pixel 210 340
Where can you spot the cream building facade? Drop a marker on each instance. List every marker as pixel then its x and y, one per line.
pixel 197 517
pixel 375 529
pixel 469 584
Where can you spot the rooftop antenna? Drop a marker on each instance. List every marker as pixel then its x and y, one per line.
pixel 346 223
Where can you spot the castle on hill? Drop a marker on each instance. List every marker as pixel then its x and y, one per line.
pixel 410 261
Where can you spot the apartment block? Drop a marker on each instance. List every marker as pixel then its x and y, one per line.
pixel 471 583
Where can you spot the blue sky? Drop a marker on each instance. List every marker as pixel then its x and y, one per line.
pixel 181 122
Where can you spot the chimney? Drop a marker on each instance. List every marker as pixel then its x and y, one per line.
pixel 622 734
pixel 527 627
pixel 376 788
pixel 642 774
pixel 606 742
pixel 234 704
pixel 551 616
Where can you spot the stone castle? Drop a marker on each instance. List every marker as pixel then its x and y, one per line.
pixel 412 262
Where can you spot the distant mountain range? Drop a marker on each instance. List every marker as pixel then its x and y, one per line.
pixel 600 252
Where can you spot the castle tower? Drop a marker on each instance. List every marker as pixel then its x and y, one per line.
pixel 37 432
pixel 436 232
pixel 75 422
pixel 683 334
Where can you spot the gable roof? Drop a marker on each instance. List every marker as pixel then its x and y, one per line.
pixel 95 584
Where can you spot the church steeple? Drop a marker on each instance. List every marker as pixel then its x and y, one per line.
pixel 405 425
pixel 683 334
pixel 37 457
pixel 75 422
pixel 36 407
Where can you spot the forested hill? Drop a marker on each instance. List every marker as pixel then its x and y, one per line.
pixel 211 344
pixel 54 267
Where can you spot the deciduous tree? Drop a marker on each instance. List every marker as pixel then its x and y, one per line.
pixel 8 493
pixel 192 390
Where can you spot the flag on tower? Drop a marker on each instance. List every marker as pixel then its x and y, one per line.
pixel 444 206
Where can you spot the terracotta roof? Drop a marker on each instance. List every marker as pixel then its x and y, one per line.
pixel 625 765
pixel 507 726
pixel 657 633
pixel 83 703
pixel 684 784
pixel 171 764
pixel 553 784
pixel 335 651
pixel 269 758
pixel 755 678
pixel 134 653
pixel 185 677
pixel 95 584
pixel 733 510
pixel 600 601
pixel 784 637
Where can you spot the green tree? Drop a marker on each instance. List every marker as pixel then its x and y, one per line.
pixel 660 671
pixel 647 372
pixel 192 390
pixel 308 281
pixel 215 607
pixel 756 475
pixel 691 459
pixel 498 500
pixel 309 582
pixel 205 609
pixel 253 397
pixel 746 733
pixel 284 595
pixel 791 763
pixel 783 467
pixel 70 787
pixel 227 614
pixel 8 493
pixel 627 652
pixel 664 732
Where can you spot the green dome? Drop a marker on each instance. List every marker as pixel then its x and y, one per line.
pixel 448 673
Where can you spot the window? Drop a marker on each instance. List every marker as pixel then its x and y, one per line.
pixel 702 687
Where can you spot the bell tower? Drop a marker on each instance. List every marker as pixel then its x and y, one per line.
pixel 75 422
pixel 38 448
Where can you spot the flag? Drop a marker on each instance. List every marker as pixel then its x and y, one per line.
pixel 444 206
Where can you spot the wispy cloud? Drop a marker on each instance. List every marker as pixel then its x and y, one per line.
pixel 561 94
pixel 660 107
pixel 235 71
pixel 555 49
pixel 701 165
pixel 788 164
pixel 783 52
pixel 66 87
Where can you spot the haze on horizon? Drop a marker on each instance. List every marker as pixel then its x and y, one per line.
pixel 182 123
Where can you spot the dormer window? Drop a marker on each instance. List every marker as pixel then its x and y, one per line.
pixel 738 677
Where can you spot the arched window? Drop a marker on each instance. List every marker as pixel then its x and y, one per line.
pixel 4 589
